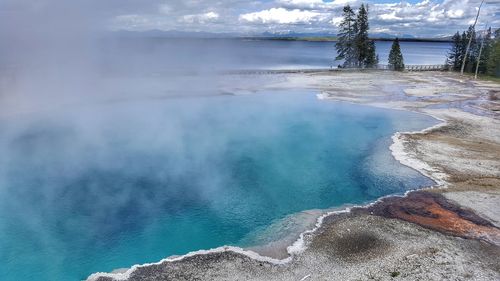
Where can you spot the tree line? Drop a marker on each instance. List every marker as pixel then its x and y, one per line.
pixel 484 49
pixel 354 46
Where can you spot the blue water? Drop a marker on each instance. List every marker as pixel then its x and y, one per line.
pixel 155 54
pixel 101 187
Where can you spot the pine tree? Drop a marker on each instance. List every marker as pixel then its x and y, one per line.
pixel 362 36
pixel 486 43
pixel 463 46
pixel 473 50
pixel 372 57
pixel 455 55
pixel 493 68
pixel 346 48
pixel 396 61
pixel 488 57
pixel 365 49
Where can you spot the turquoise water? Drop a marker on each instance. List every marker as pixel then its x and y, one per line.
pixel 103 187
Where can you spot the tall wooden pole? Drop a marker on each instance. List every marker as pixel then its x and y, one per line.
pixel 470 40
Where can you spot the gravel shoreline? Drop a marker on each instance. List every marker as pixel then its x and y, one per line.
pixel 428 235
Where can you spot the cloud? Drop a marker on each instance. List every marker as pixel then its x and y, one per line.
pixel 336 21
pixel 315 4
pixel 430 18
pixel 390 17
pixel 303 4
pixel 282 16
pixel 424 18
pixel 200 18
pixel 455 14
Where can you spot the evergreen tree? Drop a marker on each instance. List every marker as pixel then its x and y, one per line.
pixel 396 61
pixel 346 48
pixel 353 45
pixel 493 67
pixel 362 41
pixel 365 49
pixel 473 50
pixel 463 46
pixel 486 43
pixel 372 57
pixel 455 55
pixel 488 57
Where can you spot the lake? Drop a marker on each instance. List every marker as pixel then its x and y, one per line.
pixel 155 55
pixel 95 188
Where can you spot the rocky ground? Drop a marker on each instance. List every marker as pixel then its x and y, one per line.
pixel 450 232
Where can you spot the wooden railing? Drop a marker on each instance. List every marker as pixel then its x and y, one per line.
pixel 423 67
pixel 418 67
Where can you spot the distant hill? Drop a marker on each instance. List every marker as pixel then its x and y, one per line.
pixel 296 34
pixel 390 36
pixel 173 34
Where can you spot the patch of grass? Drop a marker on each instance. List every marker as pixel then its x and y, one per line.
pixel 395 274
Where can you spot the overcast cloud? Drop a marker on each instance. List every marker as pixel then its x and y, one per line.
pixel 418 18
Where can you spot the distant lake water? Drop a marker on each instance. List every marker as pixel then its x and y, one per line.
pixel 416 52
pixel 217 54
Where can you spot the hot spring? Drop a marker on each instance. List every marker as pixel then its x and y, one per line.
pixel 95 188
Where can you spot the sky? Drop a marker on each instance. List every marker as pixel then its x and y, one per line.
pixel 418 18
pixel 421 18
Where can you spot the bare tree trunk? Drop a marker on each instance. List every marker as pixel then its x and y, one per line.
pixel 470 40
pixel 480 51
pixel 479 59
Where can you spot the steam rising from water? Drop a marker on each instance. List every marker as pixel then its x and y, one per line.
pixel 54 53
pixel 97 187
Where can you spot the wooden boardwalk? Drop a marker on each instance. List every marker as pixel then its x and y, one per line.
pixel 385 67
pixel 419 67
